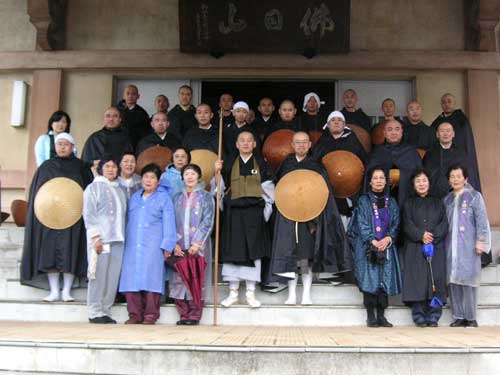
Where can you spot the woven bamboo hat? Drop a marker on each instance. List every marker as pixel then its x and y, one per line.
pixel 205 159
pixel 277 147
pixel 301 195
pixel 345 171
pixel 159 155
pixel 59 203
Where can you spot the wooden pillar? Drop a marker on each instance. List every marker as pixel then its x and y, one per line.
pixel 484 113
pixel 45 100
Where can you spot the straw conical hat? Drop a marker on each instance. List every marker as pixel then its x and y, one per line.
pixel 363 136
pixel 159 155
pixel 18 208
pixel 205 159
pixel 59 203
pixel 345 171
pixel 301 195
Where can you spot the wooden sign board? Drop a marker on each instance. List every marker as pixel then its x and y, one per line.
pixel 273 26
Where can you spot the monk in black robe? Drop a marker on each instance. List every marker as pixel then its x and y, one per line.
pixel 339 138
pixel 134 118
pixel 288 119
pixel 204 136
pixel 49 252
pixel 265 117
pixel 464 138
pixel 245 237
pixel 441 157
pixel 319 245
pixel 416 132
pixel 311 119
pixel 226 102
pixel 352 114
pixel 112 139
pixel 231 131
pixel 161 136
pixel 424 222
pixel 395 154
pixel 182 116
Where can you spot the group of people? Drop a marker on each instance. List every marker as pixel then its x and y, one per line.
pixel 423 236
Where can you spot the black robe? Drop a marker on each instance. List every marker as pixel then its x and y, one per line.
pixel 48 249
pixel 230 135
pixel 294 125
pixel 261 126
pixel 401 156
pixel 327 249
pixel 312 123
pixel 182 120
pixel 106 142
pixel 245 236
pixel 170 141
pixel 419 135
pixel 437 161
pixel 420 215
pixel 136 121
pixel 347 142
pixel 226 120
pixel 358 117
pixel 464 139
pixel 202 139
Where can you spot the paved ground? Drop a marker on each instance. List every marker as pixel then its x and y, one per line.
pixel 398 337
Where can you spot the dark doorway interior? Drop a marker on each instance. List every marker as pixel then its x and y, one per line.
pixel 252 91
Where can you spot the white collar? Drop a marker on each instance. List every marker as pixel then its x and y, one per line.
pixel 100 178
pixel 245 160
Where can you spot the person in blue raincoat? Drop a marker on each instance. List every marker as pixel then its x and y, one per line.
pixel 180 158
pixel 373 232
pixel 150 238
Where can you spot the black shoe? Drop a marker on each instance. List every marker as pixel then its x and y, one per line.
pixel 192 322
pixel 181 322
pixel 459 323
pixel 98 320
pixel 372 323
pixel 471 323
pixel 108 319
pixel 421 324
pixel 383 322
pixel 432 324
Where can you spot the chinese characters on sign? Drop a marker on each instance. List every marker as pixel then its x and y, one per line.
pixel 274 27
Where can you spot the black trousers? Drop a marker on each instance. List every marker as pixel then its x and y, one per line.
pixel 380 300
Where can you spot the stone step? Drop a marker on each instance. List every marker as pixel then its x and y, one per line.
pixel 267 315
pixel 321 294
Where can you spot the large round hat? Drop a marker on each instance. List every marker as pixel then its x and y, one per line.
pixel 314 136
pixel 378 133
pixel 205 159
pixel 159 155
pixel 301 195
pixel 345 171
pixel 18 208
pixel 277 147
pixel 363 136
pixel 59 203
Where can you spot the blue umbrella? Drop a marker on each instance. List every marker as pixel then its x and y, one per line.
pixel 428 250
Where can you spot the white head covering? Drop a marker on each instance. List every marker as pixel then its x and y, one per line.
pixel 65 136
pixel 309 96
pixel 332 115
pixel 243 105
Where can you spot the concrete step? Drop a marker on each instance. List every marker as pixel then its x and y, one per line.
pixel 321 294
pixel 267 315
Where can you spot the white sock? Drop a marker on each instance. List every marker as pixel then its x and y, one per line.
pixel 234 285
pixel 53 282
pixel 68 283
pixel 292 291
pixel 250 285
pixel 306 285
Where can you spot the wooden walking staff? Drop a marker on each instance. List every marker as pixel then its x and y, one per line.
pixel 217 222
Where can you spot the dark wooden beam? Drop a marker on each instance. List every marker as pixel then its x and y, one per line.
pixel 174 61
pixel 49 19
pixel 481 19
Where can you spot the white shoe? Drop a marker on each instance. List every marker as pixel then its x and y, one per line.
pixel 292 300
pixel 66 297
pixel 250 299
pixel 306 300
pixel 231 299
pixel 52 297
